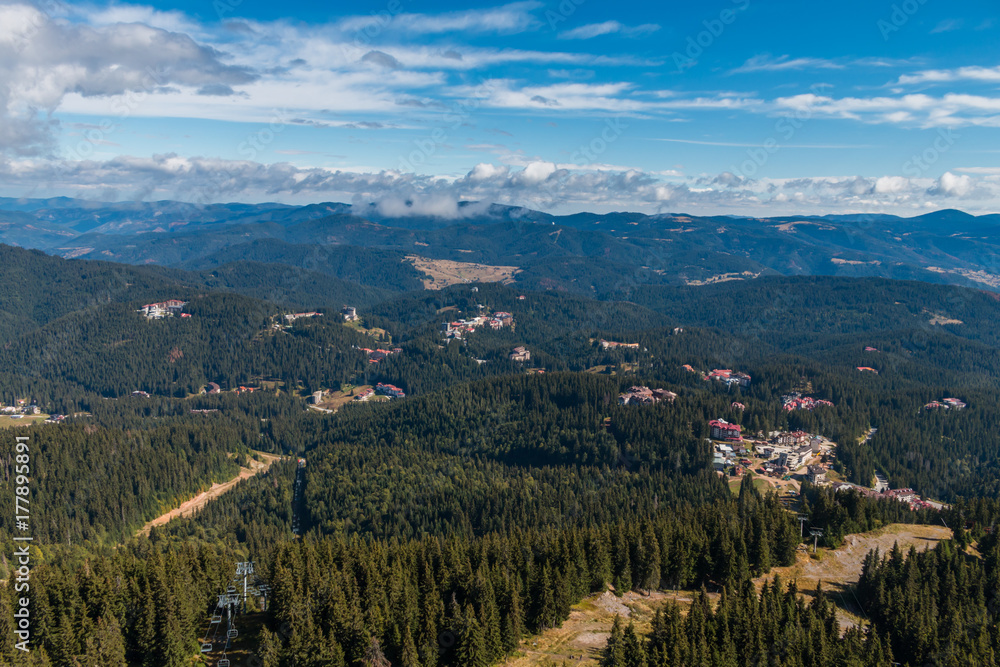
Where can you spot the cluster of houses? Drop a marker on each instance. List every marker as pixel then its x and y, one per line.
pixel 791 448
pixel 728 377
pixel 869 348
pixel 496 321
pixel 390 390
pixel 214 388
pixel 945 404
pixel 364 394
pixel 645 396
pixel 375 356
pixel 611 345
pixel 170 308
pixel 784 452
pixel 20 408
pixel 55 419
pixel 796 401
pixel 291 317
pixel 726 457
pixel 350 313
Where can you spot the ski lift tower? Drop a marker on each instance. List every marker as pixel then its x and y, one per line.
pixel 222 623
pixel 816 534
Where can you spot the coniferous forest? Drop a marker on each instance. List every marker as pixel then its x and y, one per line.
pixel 447 527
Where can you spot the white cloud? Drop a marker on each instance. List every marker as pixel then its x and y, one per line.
pixel 540 185
pixel 609 28
pixel 892 185
pixel 508 19
pixel 950 110
pixel 975 73
pixel 768 63
pixel 43 60
pixel 951 185
pixel 947 25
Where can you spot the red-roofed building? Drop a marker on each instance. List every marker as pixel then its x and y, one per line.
pixel 723 430
pixel 389 390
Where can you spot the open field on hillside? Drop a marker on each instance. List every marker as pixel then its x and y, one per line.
pixel 581 639
pixel 7 421
pixel 722 278
pixel 443 273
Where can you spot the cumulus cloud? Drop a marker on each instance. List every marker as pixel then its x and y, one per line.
pixel 540 185
pixel 43 60
pixel 951 185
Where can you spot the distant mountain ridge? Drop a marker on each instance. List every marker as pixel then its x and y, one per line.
pixel 586 253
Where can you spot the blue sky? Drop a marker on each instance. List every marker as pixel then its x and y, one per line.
pixel 734 106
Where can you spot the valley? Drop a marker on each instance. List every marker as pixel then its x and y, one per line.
pixel 486 460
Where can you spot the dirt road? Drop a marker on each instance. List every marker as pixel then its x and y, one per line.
pixel 191 506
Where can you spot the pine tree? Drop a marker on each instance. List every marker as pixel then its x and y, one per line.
pixel 614 651
pixel 373 656
pixel 105 646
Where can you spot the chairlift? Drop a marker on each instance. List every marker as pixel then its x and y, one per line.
pixel 206 648
pixel 223 663
pixel 216 619
pixel 233 632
